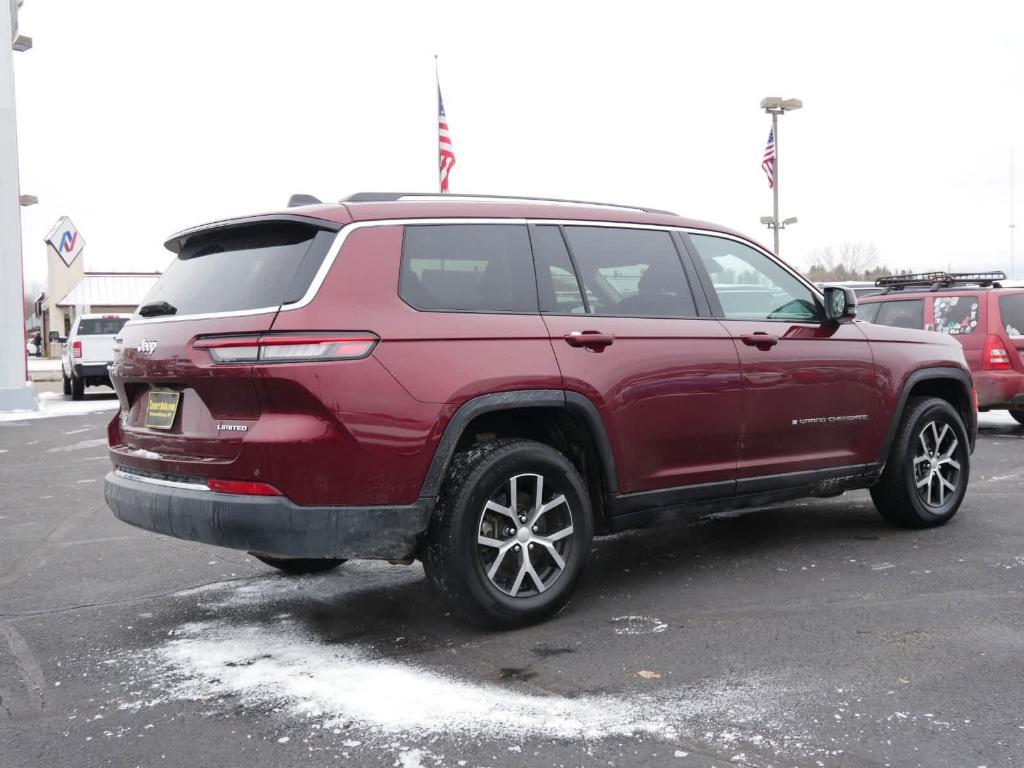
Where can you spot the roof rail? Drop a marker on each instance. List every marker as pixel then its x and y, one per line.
pixel 382 197
pixel 934 281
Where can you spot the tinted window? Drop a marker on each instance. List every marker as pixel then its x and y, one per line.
pixel 902 314
pixel 631 272
pixel 955 315
pixel 239 268
pixel 101 326
pixel 468 267
pixel 868 312
pixel 1011 309
pixel 556 281
pixel 751 286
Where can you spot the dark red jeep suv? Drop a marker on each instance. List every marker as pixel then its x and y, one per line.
pixel 487 383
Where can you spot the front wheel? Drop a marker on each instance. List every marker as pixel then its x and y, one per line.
pixel 298 566
pixel 925 477
pixel 511 533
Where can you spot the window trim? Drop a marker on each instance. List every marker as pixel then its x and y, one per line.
pixel 712 295
pixel 474 222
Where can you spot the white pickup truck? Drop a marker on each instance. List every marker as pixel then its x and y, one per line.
pixel 88 351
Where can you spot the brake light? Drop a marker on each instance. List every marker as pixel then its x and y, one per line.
pixel 287 348
pixel 996 356
pixel 243 487
pixel 76 349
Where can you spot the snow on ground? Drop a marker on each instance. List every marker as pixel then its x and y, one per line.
pixel 338 686
pixel 43 364
pixel 52 404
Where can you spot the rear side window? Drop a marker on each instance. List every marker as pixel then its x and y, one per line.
pixel 233 269
pixel 902 314
pixel 468 268
pixel 955 315
pixel 103 326
pixel 631 272
pixel 1011 310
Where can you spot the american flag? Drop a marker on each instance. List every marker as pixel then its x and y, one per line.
pixel 446 154
pixel 768 163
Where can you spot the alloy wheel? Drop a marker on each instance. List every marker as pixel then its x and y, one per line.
pixel 524 535
pixel 937 463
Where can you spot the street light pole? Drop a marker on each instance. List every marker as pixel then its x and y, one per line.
pixel 776 106
pixel 775 185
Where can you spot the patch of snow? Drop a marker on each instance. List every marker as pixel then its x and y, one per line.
pixel 410 759
pixel 638 625
pixel 78 431
pixel 341 685
pixel 142 453
pixel 882 566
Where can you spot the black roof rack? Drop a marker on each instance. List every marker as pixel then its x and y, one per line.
pixel 935 281
pixel 385 197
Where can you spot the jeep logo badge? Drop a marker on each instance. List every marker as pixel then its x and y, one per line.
pixel 146 347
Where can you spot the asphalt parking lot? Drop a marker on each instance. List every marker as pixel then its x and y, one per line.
pixel 809 634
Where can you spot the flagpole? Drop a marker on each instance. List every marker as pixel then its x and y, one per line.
pixel 437 82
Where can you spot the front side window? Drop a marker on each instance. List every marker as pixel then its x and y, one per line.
pixel 955 315
pixel 908 313
pixel 630 272
pixel 468 268
pixel 751 286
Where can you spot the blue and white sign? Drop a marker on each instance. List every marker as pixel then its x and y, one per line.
pixel 66 240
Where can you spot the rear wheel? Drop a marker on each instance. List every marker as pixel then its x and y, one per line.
pixel 1018 416
pixel 926 475
pixel 67 383
pixel 297 566
pixel 511 533
pixel 77 387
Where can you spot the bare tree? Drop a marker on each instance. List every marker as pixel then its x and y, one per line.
pixel 850 260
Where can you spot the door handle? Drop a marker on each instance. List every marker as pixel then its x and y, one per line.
pixel 761 340
pixel 595 341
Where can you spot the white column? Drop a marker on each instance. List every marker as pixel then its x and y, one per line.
pixel 15 392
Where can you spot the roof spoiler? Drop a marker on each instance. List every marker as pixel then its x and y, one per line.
pixel 299 199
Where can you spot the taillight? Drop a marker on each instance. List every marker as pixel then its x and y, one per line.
pixel 996 356
pixel 76 349
pixel 287 348
pixel 243 487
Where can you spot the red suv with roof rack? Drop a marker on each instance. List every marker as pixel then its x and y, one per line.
pixel 486 383
pixel 974 308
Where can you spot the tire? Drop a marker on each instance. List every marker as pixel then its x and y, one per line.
pixel 470 552
pixel 298 566
pixel 67 383
pixel 923 462
pixel 77 387
pixel 1018 416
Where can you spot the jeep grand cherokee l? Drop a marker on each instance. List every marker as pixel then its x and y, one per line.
pixel 487 383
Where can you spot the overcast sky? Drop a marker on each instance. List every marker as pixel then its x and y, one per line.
pixel 140 118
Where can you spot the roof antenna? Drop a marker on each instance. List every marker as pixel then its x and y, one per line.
pixel 297 200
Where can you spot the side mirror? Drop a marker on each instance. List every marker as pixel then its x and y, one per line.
pixel 840 304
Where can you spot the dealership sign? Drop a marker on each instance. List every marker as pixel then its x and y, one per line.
pixel 66 240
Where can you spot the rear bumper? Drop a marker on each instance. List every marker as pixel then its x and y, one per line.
pixel 999 389
pixel 268 524
pixel 90 370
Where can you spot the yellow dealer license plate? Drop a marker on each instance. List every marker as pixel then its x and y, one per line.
pixel 161 408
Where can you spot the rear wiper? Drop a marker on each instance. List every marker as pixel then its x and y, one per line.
pixel 156 308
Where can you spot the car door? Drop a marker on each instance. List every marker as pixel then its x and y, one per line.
pixel 810 400
pixel 637 342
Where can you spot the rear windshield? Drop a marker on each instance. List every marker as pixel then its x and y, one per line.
pixel 1011 309
pixel 238 268
pixel 101 326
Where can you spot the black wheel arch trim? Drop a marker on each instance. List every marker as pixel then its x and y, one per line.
pixel 960 376
pixel 574 402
